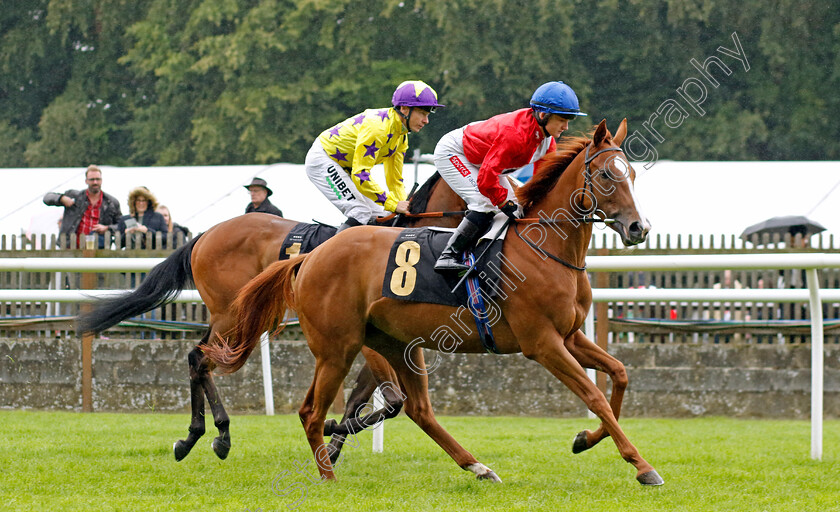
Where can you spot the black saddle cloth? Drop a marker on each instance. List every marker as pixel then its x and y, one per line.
pixel 305 238
pixel 411 276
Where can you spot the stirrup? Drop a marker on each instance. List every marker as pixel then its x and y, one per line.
pixel 447 263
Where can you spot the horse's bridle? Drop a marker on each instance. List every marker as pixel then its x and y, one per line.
pixel 587 160
pixel 587 188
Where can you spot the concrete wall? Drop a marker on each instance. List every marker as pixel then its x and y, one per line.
pixel 665 380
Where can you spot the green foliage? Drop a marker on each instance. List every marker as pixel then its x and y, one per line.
pixel 69 136
pixel 255 81
pixel 13 143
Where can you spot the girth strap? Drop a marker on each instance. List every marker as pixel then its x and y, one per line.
pixel 479 311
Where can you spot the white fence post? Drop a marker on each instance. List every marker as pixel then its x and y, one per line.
pixel 268 388
pixel 589 330
pixel 816 364
pixel 379 428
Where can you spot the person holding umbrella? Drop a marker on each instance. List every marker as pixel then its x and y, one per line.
pixel 788 224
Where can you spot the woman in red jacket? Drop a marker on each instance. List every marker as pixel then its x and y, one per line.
pixel 473 160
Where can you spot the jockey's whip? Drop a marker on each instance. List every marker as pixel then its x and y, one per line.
pixel 397 216
pixel 413 190
pixel 493 239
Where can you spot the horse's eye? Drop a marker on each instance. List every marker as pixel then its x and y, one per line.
pixel 618 169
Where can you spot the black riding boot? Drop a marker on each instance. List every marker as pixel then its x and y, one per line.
pixel 465 236
pixel 349 223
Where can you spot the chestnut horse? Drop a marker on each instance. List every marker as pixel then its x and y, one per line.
pixel 544 301
pixel 219 262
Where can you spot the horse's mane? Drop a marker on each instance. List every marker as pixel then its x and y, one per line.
pixel 420 199
pixel 549 168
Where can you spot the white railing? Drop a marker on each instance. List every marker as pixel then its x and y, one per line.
pixel 811 262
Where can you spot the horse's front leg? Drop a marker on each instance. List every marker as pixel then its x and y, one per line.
pixel 590 355
pixel 550 351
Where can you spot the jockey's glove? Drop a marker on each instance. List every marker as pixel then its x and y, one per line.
pixel 511 209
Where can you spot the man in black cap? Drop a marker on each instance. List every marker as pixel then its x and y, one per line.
pixel 259 198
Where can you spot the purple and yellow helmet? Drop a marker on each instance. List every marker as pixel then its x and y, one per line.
pixel 414 93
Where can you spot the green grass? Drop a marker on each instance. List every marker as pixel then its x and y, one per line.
pixel 91 462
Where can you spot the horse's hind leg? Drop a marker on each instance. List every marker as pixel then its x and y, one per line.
pixel 221 444
pixel 418 406
pixel 590 355
pixel 182 447
pixel 366 384
pixel 334 355
pixel 329 376
pixel 376 373
pixel 201 385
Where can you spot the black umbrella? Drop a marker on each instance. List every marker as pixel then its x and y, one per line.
pixel 793 224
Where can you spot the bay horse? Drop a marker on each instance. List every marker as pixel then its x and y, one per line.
pixel 222 260
pixel 545 298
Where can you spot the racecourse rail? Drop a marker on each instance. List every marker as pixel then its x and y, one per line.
pixel 810 262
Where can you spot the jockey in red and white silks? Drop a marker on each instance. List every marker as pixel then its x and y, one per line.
pixel 341 158
pixel 474 159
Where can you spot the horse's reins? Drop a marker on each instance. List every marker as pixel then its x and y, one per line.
pixel 390 216
pixel 587 185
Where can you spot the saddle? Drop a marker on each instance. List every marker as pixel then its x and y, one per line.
pixel 410 276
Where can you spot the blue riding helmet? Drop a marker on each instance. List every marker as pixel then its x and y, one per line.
pixel 556 98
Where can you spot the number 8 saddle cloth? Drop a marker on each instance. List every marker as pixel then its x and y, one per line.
pixel 411 276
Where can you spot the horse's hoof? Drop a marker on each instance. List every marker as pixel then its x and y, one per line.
pixel 181 450
pixel 580 444
pixel 491 476
pixel 329 427
pixel 482 472
pixel 650 478
pixel 221 447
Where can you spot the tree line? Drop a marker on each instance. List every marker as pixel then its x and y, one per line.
pixel 192 82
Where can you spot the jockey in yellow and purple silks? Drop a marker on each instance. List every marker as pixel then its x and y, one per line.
pixel 341 158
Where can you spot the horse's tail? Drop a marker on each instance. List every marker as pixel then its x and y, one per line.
pixel 164 282
pixel 259 307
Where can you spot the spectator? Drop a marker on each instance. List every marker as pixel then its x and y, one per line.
pixel 259 198
pixel 172 227
pixel 87 211
pixel 143 218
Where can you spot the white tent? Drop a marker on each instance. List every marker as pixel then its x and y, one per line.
pixel 678 197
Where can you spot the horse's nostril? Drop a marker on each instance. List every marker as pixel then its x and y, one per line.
pixel 636 228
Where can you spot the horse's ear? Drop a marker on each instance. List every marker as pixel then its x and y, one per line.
pixel 513 184
pixel 618 138
pixel 600 133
